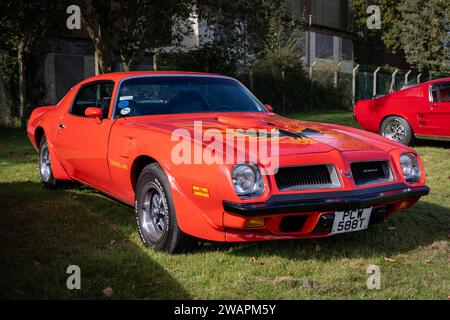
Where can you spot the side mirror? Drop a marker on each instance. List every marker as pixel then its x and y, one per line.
pixel 268 107
pixel 93 112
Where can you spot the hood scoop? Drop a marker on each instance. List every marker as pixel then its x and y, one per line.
pixel 258 123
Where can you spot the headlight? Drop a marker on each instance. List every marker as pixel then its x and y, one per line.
pixel 410 167
pixel 247 180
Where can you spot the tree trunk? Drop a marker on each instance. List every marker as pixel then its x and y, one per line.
pixel 5 105
pixel 129 62
pixel 103 52
pixel 156 59
pixel 23 110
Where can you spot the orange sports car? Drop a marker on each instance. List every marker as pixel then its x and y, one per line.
pixel 198 156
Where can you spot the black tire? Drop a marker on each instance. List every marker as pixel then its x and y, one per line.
pixel 155 213
pixel 404 135
pixel 45 170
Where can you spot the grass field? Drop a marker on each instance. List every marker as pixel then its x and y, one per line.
pixel 42 232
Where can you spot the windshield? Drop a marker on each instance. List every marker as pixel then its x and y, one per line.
pixel 183 94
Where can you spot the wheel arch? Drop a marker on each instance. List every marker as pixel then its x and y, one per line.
pixel 395 115
pixel 38 134
pixel 139 163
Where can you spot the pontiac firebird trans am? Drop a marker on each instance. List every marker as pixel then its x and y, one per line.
pixel 127 135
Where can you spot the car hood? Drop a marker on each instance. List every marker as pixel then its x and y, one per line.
pixel 295 136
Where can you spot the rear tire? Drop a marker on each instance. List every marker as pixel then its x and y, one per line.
pixel 155 213
pixel 397 129
pixel 45 169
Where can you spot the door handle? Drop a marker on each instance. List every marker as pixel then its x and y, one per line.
pixel 433 105
pixel 61 126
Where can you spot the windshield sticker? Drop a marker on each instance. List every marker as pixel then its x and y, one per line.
pixel 125 111
pixel 126 98
pixel 123 104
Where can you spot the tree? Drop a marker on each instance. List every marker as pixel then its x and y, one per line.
pixel 133 27
pixel 419 28
pixel 389 17
pixel 425 34
pixel 22 25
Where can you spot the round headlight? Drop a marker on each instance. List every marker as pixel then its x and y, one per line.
pixel 406 164
pixel 410 167
pixel 247 180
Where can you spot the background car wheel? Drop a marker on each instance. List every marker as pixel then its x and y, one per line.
pixel 397 129
pixel 155 213
pixel 45 168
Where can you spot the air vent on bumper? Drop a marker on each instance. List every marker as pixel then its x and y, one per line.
pixel 307 177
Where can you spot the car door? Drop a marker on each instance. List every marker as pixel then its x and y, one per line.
pixel 82 142
pixel 439 109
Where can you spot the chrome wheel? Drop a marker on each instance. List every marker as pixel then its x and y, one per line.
pixel 395 130
pixel 154 213
pixel 44 164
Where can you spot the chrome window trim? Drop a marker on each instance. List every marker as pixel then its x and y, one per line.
pixel 94 82
pixel 430 90
pixel 113 115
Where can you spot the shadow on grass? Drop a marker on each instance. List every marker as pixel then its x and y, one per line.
pixel 419 226
pixel 431 143
pixel 43 232
pixel 407 230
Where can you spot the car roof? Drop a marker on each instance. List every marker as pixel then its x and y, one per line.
pixel 438 80
pixel 117 76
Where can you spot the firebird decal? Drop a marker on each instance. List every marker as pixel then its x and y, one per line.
pixel 118 164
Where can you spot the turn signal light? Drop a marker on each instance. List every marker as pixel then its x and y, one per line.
pixel 254 222
pixel 200 191
pixel 404 205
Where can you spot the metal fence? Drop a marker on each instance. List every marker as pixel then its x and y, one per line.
pixel 326 86
pixel 293 91
pixel 370 81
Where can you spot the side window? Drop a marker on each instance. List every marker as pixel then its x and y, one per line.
pixel 441 92
pixel 93 95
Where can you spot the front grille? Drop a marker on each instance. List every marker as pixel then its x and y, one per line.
pixel 370 172
pixel 307 177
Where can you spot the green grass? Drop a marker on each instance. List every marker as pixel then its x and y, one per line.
pixel 44 231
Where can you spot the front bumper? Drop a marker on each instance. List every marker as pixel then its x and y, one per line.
pixel 327 201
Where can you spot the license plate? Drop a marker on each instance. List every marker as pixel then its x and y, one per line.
pixel 351 220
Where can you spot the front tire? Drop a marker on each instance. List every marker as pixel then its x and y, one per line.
pixel 45 169
pixel 397 129
pixel 155 213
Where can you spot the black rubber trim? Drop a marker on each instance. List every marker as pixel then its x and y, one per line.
pixel 324 201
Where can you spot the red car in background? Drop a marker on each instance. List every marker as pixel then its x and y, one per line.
pixel 421 111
